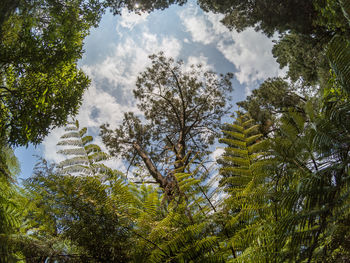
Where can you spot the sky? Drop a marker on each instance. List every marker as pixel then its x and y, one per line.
pixel 117 51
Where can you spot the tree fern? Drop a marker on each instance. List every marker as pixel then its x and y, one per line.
pixel 84 157
pixel 180 229
pixel 9 210
pixel 338 53
pixel 312 149
pixel 247 177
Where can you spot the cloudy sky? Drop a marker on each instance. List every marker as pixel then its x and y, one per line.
pixel 118 50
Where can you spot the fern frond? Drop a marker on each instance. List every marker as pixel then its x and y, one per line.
pixel 338 53
pixel 74 161
pixel 72 134
pixel 245 180
pixel 70 143
pixel 82 132
pixel 236 135
pixel 98 156
pixel 87 139
pixel 72 151
pixel 232 142
pixel 91 148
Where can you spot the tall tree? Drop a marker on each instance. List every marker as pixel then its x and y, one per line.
pixel 268 16
pixel 273 98
pixel 304 56
pixel 182 111
pixel 304 26
pixel 40 84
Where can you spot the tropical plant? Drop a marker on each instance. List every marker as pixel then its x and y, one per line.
pixel 250 209
pixel 83 157
pixel 183 230
pixel 9 212
pixel 77 214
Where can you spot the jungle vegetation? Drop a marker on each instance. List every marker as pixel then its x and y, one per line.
pixel 280 192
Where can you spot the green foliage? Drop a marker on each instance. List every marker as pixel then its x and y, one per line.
pixel 304 56
pixel 293 206
pixel 40 84
pixel 284 192
pixel 273 98
pixel 9 212
pixel 105 219
pixel 268 16
pixel 84 212
pixel 334 14
pixel 31 105
pixel 312 148
pixel 250 211
pixel 311 192
pixel 304 53
pixel 309 145
pixel 182 229
pixel 338 53
pixel 141 6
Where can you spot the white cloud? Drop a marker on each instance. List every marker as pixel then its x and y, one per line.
pixel 106 106
pixel 251 54
pixel 130 19
pixel 49 146
pixel 108 110
pixel 113 80
pixel 249 51
pixel 217 153
pixel 197 25
pixel 201 60
pixel 130 58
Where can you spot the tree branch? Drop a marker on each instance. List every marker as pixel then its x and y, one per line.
pixel 150 166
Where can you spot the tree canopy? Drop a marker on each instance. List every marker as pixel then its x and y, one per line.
pixel 40 43
pixel 268 16
pixel 142 5
pixel 278 193
pixel 182 111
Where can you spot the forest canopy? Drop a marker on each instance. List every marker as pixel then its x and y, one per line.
pixel 279 192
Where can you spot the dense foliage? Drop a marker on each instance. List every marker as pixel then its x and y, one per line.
pixel 281 192
pixel 40 83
